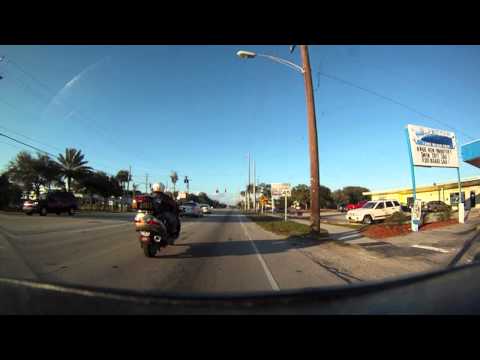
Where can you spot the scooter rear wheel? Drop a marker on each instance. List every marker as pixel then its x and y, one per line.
pixel 150 250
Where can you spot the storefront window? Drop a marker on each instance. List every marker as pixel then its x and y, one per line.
pixel 454 198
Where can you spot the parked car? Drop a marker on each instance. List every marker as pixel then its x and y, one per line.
pixel 206 208
pixel 342 208
pixel 436 206
pixel 356 206
pixel 191 209
pixel 373 211
pixel 52 202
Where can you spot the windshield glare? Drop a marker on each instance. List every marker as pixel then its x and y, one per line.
pixel 369 205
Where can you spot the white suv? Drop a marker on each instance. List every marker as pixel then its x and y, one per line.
pixel 374 210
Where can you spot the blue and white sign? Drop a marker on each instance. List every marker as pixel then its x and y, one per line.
pixel 433 147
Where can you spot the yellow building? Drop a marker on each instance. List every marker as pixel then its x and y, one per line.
pixel 446 192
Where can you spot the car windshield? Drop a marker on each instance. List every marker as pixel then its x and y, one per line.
pixel 251 202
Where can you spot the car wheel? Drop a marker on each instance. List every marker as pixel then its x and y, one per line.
pixel 367 220
pixel 43 212
pixel 71 211
pixel 29 213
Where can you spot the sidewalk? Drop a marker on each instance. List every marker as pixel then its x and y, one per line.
pixel 365 259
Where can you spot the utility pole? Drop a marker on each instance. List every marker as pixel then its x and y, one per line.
pixel 146 183
pixel 313 142
pixel 248 186
pixel 128 183
pixel 254 188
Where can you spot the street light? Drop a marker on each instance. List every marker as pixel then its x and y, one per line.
pixel 244 54
pixel 312 125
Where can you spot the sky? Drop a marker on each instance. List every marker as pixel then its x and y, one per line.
pixel 200 110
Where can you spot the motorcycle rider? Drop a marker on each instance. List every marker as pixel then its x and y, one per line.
pixel 164 205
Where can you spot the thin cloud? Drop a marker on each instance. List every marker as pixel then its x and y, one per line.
pixel 56 99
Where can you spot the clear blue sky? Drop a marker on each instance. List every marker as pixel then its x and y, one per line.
pixel 200 109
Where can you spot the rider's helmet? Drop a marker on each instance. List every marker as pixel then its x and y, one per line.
pixel 158 187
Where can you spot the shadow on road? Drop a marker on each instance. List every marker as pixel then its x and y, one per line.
pixel 237 248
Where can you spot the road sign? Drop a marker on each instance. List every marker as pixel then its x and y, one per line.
pixel 432 147
pixel 182 195
pixel 279 189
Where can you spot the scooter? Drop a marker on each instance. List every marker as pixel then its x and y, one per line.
pixel 153 233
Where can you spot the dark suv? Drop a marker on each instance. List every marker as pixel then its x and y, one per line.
pixel 436 206
pixel 53 202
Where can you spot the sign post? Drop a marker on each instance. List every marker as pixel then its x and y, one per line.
pixel 278 190
pixel 432 148
pixel 413 220
pixel 461 205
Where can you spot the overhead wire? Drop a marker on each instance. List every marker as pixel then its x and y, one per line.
pixel 408 107
pixel 80 115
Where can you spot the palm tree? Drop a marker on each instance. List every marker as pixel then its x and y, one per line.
pixel 47 169
pixel 174 178
pixel 72 165
pixel 122 177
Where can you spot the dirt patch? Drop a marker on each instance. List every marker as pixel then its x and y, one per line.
pixel 382 231
pixel 438 224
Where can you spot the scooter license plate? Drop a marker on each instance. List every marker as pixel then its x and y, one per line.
pixel 144 233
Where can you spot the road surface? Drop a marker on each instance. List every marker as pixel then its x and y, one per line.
pixel 221 252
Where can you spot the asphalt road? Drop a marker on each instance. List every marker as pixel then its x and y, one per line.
pixel 221 252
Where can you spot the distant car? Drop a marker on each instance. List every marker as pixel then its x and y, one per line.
pixel 191 209
pixel 436 206
pixel 52 202
pixel 356 206
pixel 206 208
pixel 341 208
pixel 373 211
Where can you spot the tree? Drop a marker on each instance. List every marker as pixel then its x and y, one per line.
pixel 339 197
pixel 23 171
pixel 9 193
pixel 174 178
pixel 325 197
pixel 301 193
pixel 265 189
pixel 122 177
pixel 48 170
pixel 354 193
pixel 72 165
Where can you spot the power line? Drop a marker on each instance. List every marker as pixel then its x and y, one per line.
pixel 25 144
pixel 41 150
pixel 393 101
pixel 76 112
pixel 29 138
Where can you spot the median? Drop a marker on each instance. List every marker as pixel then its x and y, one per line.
pixel 288 228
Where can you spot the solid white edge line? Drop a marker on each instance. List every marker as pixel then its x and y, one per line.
pixel 430 248
pixel 269 275
pixel 348 236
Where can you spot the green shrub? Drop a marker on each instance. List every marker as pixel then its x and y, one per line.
pixel 397 218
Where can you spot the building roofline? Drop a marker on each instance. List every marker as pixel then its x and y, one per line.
pixel 471 142
pixel 453 182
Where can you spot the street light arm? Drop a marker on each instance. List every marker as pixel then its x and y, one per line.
pixel 283 62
